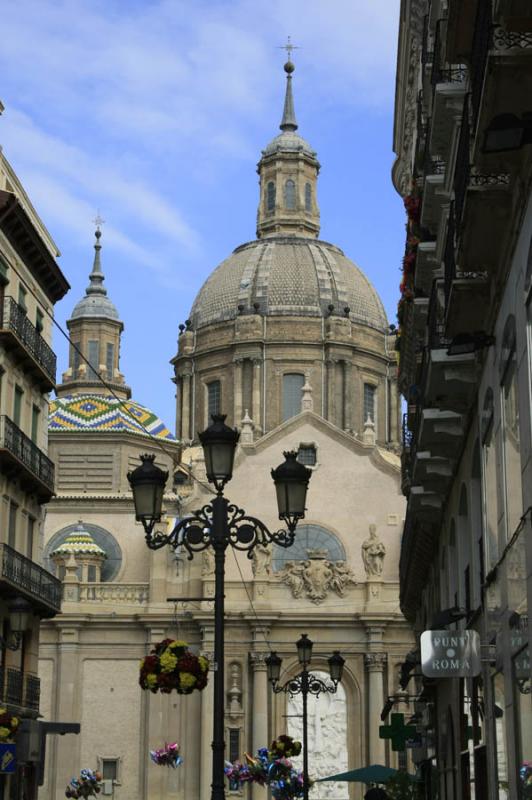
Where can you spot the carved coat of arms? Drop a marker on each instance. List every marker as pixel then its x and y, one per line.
pixel 316 576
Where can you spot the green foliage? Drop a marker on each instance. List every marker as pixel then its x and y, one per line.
pixel 401 787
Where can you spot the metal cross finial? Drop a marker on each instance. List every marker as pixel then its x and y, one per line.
pixel 98 220
pixel 289 47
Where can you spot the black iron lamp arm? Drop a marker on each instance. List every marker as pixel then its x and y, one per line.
pixel 197 532
pixel 306 682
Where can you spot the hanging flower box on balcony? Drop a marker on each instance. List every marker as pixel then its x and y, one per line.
pixel 171 666
pixel 8 726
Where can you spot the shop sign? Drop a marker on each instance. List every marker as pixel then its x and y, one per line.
pixel 8 758
pixel 450 654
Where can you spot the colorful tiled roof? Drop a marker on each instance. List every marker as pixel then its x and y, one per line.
pixel 79 541
pixel 91 412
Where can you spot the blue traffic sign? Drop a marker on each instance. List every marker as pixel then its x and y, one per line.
pixel 8 758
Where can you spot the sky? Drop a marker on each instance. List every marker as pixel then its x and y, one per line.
pixel 154 113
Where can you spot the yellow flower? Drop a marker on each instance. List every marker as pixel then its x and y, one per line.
pixel 3 711
pixel 187 680
pixel 4 733
pixel 204 663
pixel 14 722
pixel 167 661
pixel 151 680
pixel 177 644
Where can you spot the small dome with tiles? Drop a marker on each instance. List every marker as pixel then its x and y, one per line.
pixel 79 542
pixel 288 276
pixel 102 414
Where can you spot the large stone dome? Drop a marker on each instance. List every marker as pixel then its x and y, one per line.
pixel 286 275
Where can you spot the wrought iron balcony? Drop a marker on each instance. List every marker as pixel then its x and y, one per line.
pixel 17 332
pixel 479 53
pixel 22 576
pixel 20 456
pixel 32 695
pixel 20 689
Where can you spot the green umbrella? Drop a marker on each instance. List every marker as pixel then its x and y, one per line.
pixel 376 773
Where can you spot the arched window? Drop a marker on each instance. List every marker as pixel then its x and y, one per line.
pixel 292 384
pixel 214 399
pixel 290 194
pixel 308 197
pixel 270 196
pixel 309 537
pixel 101 537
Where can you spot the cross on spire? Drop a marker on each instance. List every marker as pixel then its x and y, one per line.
pixel 98 220
pixel 289 47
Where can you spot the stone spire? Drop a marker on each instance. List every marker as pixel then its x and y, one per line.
pixel 288 122
pixel 288 172
pixel 95 330
pixel 96 277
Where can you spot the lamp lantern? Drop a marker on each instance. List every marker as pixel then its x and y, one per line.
pixel 336 666
pixel 219 443
pixel 147 484
pixel 273 667
pixel 304 650
pixel 291 483
pixel 19 616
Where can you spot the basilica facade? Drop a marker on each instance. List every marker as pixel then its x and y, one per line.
pixel 289 339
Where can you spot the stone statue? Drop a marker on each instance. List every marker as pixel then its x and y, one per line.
pixel 292 574
pixel 207 563
pixel 261 560
pixel 373 552
pixel 317 574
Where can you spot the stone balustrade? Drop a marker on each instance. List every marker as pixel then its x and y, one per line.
pixel 114 592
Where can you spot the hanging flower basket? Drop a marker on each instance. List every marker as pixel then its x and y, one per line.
pixel 167 756
pixel 171 666
pixel 271 767
pixel 87 785
pixel 8 726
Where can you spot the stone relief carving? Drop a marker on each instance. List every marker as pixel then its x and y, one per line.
pixel 261 563
pixel 373 552
pixel 317 576
pixel 327 737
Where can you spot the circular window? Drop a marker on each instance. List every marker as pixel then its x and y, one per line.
pixel 308 537
pixel 103 539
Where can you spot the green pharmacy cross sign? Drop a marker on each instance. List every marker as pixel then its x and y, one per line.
pixel 397 731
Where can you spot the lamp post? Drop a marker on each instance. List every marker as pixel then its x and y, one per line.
pixel 218 525
pixel 19 620
pixel 304 684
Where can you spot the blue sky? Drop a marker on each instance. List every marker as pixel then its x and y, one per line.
pixel 155 113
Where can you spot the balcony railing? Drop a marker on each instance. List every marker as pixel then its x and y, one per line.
pixel 26 452
pixel 13 687
pixel 19 689
pixel 455 73
pixel 114 592
pixel 27 577
pixel 32 694
pixel 15 320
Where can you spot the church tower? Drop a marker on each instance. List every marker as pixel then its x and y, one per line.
pixel 95 330
pixel 288 173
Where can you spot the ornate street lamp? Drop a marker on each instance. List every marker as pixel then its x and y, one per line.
pixel 304 684
pixel 20 612
pixel 218 525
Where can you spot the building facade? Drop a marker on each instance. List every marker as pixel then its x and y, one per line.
pixel 114 591
pixel 289 338
pixel 463 80
pixel 30 284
